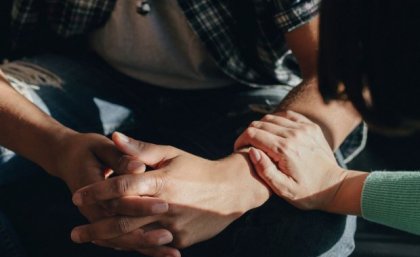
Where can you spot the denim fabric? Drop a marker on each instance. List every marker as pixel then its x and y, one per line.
pixel 94 98
pixel 9 242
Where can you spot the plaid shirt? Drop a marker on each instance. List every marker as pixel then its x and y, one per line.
pixel 212 20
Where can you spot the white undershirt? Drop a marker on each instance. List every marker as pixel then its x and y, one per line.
pixel 159 48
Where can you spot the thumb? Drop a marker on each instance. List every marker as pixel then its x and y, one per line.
pixel 268 172
pixel 150 154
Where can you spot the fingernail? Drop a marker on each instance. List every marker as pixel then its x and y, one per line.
pixel 134 165
pixel 163 240
pixel 256 155
pixel 160 208
pixel 77 199
pixel 123 137
pixel 75 236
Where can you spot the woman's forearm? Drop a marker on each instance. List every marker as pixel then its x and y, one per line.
pixel 348 197
pixel 388 198
pixel 392 199
pixel 27 130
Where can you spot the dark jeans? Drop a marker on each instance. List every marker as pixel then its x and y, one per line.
pixel 92 97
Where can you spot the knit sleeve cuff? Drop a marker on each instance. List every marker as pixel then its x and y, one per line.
pixel 392 199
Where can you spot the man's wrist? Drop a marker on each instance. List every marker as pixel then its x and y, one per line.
pixel 251 191
pixel 54 141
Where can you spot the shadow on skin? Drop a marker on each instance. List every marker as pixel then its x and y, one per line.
pixel 45 220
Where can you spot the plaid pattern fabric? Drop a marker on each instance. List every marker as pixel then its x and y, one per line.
pixel 212 20
pixel 214 23
pixel 64 18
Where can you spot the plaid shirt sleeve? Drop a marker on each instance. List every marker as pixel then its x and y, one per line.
pixel 290 14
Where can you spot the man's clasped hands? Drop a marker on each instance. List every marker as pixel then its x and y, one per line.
pixel 183 199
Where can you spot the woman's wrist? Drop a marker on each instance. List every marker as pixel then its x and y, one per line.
pixel 347 199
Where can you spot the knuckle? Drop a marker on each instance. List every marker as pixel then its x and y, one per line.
pixel 255 124
pixel 123 163
pixel 138 145
pixel 277 147
pixel 268 117
pixel 169 149
pixel 294 133
pixel 289 113
pixel 160 184
pixel 175 228
pixel 121 186
pixel 284 146
pixel 181 242
pixel 250 133
pixel 268 175
pixel 305 128
pixel 315 127
pixel 123 225
pixel 88 234
pixel 155 184
pixel 264 171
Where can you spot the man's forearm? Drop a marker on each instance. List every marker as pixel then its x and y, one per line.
pixel 337 119
pixel 25 129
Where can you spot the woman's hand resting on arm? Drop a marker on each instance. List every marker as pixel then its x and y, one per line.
pixel 294 159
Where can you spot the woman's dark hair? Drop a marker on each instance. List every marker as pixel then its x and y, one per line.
pixel 370 55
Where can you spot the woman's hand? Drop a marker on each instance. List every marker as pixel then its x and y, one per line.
pixel 294 159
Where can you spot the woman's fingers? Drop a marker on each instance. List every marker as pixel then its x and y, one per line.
pixel 274 129
pixel 281 119
pixel 294 116
pixel 271 144
pixel 268 171
pixel 274 124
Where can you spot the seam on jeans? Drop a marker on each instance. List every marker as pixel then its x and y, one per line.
pixel 361 146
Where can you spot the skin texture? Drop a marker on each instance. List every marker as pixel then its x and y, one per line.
pixel 337 118
pixel 296 162
pixel 28 129
pixel 191 218
pixel 78 159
